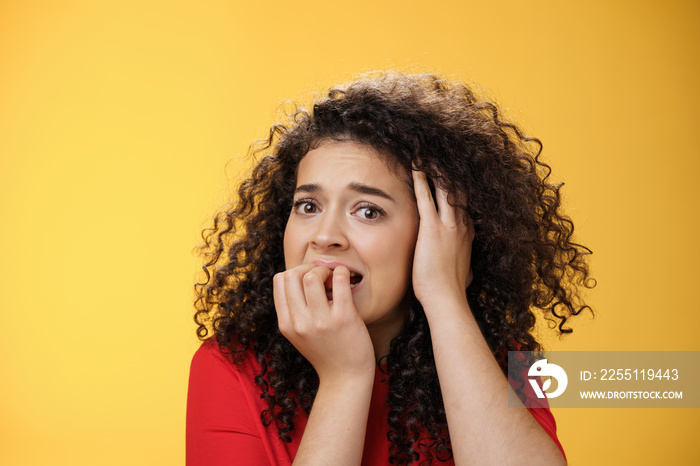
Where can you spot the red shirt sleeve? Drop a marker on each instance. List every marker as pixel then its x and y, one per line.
pixel 539 408
pixel 545 418
pixel 221 426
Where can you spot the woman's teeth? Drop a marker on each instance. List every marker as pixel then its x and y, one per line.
pixel 355 279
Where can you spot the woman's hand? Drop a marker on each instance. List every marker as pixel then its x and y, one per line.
pixel 335 340
pixel 442 261
pixel 483 429
pixel 330 334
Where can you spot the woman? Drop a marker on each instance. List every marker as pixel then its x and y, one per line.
pixel 364 290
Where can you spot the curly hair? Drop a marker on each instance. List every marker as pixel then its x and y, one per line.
pixel 523 257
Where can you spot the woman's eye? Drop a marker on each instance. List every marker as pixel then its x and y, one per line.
pixel 305 207
pixel 370 213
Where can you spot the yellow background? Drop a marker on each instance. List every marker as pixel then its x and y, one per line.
pixel 117 120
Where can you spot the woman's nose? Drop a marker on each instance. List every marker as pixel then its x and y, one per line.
pixel 330 232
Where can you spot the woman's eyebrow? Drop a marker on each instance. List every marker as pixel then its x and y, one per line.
pixel 371 190
pixel 359 187
pixel 308 188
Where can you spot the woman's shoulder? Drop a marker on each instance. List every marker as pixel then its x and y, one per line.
pixel 221 384
pixel 211 358
pixel 223 409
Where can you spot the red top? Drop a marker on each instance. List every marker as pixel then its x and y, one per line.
pixel 224 426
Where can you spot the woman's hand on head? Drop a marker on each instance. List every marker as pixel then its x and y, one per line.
pixel 330 334
pixel 442 260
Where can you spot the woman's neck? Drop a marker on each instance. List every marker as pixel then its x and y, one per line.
pixel 382 334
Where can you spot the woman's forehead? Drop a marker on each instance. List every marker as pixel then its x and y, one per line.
pixel 332 160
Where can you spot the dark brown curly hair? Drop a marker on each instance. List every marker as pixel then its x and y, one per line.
pixel 523 257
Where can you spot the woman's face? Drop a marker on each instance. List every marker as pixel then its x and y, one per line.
pixel 350 209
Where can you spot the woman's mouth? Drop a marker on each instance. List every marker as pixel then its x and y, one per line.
pixel 355 279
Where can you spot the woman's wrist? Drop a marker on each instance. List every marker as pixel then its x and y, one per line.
pixel 355 380
pixel 336 428
pixel 441 306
